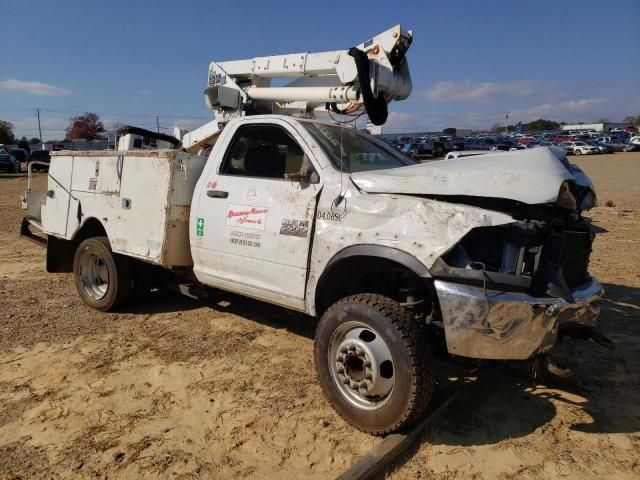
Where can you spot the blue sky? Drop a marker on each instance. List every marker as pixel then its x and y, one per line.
pixel 573 60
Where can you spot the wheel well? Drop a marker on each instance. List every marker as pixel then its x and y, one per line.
pixel 60 252
pixel 91 228
pixel 369 274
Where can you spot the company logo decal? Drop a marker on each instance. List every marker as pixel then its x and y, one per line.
pixel 246 216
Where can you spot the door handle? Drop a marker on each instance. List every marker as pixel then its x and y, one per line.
pixel 217 194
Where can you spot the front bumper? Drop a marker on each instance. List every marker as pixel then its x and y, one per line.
pixel 508 325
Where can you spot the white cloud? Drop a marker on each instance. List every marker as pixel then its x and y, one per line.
pixel 36 88
pixel 564 108
pixel 406 122
pixel 188 123
pixel 484 92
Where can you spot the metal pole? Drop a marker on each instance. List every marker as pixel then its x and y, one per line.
pixel 39 129
pixel 158 123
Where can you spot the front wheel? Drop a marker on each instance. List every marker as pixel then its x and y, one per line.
pixel 371 364
pixel 577 151
pixel 103 279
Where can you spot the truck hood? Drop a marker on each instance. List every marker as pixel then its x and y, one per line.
pixel 532 176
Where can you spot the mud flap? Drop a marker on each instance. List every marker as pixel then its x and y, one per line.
pixel 60 255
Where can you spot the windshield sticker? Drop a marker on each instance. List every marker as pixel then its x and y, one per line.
pixel 246 216
pixel 200 227
pixel 246 239
pixel 295 228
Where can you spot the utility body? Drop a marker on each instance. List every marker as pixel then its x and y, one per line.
pixel 489 253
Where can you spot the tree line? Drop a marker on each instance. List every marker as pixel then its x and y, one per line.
pixel 87 126
pixel 541 124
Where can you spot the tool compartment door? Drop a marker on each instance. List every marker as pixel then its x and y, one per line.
pixel 252 229
pixel 98 173
pixel 58 200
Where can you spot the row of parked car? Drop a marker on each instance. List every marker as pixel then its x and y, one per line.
pixel 11 161
pixel 578 144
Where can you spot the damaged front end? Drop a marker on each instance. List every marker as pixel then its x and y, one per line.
pixel 507 292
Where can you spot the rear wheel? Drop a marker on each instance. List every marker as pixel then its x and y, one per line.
pixel 103 279
pixel 577 151
pixel 371 363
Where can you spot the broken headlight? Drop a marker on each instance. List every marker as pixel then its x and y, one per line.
pixel 566 197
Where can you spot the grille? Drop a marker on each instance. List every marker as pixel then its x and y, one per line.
pixel 575 256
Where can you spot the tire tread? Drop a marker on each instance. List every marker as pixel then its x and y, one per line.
pixel 412 334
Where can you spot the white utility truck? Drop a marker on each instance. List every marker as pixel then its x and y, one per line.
pixel 487 253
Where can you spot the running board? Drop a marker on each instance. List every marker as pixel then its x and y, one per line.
pixel 26 233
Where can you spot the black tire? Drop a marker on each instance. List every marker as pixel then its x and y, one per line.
pixel 577 151
pixel 413 379
pixel 116 268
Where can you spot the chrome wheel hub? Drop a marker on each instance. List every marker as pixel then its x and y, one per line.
pixel 361 365
pixel 94 275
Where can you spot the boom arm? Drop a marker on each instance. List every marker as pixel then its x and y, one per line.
pixel 340 76
pixel 369 75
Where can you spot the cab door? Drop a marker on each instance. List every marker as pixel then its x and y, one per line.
pixel 253 223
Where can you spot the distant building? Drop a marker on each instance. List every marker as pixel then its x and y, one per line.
pixel 596 127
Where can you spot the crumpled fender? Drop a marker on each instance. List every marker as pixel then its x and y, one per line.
pixel 423 228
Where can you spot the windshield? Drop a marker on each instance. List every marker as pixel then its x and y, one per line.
pixel 359 152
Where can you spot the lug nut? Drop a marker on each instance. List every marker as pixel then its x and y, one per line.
pixel 346 381
pixel 352 348
pixel 340 369
pixel 343 350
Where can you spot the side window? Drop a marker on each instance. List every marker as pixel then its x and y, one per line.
pixel 265 151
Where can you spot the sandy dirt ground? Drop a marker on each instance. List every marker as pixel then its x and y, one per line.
pixel 225 388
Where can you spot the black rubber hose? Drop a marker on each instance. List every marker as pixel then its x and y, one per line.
pixel 376 107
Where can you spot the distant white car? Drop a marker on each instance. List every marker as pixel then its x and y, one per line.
pixel 578 148
pixel 635 140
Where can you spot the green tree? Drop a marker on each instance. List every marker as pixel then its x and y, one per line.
pixel 34 141
pixel 541 124
pixel 24 144
pixel 6 132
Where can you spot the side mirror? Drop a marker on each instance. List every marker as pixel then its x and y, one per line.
pixel 307 174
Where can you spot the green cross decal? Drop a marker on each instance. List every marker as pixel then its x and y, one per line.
pixel 200 227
